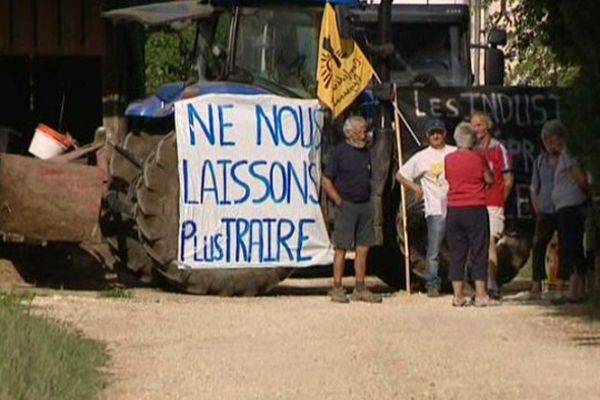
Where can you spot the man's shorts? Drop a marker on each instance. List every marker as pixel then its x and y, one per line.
pixel 496 215
pixel 353 226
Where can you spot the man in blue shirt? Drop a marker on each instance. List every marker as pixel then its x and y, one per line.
pixel 346 182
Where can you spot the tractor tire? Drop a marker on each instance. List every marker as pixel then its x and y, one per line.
pixel 390 264
pixel 157 217
pixel 119 228
pixel 513 252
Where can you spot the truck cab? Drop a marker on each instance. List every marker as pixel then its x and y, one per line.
pixel 430 37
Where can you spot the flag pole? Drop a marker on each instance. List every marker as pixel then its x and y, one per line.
pixel 402 193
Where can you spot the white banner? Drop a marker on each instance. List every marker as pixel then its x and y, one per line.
pixel 249 179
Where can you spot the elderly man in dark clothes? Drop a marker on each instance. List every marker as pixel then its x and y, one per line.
pixel 346 182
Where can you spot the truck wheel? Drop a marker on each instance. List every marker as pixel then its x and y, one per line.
pixel 119 227
pixel 513 253
pixel 157 217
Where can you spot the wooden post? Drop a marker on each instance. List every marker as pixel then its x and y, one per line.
pixel 402 191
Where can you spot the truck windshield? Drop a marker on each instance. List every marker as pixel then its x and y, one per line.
pixel 278 47
pixel 429 54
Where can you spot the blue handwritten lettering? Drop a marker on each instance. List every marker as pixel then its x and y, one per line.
pixel 239 182
pixel 223 198
pixel 283 238
pixel 241 230
pixel 205 185
pixel 280 126
pixel 302 239
pixel 186 184
pixel 224 125
pixel 209 131
pixel 254 173
pixel 188 231
pixel 272 127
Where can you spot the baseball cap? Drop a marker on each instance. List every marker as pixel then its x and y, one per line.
pixel 434 124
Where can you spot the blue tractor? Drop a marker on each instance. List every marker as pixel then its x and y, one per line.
pixel 259 47
pixel 242 47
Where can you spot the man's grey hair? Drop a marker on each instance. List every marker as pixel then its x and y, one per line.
pixel 464 136
pixel 554 127
pixel 352 122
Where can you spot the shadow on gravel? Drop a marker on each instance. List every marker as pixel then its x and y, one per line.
pixel 593 340
pixel 587 312
pixel 320 289
pixel 56 266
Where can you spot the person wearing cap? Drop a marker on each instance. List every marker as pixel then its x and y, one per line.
pixel 498 159
pixel 423 174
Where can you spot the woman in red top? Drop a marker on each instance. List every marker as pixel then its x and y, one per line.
pixel 467 224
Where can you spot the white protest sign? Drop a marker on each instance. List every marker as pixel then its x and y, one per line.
pixel 249 179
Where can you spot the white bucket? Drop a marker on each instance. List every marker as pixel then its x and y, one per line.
pixel 47 142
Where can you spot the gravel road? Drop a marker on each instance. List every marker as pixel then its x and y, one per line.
pixel 295 344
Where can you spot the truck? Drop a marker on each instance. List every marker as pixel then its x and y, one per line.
pixel 128 220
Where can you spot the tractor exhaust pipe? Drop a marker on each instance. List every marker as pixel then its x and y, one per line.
pixel 384 16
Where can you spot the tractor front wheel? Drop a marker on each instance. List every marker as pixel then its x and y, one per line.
pixel 157 217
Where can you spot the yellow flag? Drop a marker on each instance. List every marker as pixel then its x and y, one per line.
pixel 341 76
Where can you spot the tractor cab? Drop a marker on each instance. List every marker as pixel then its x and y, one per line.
pixel 245 47
pixel 430 38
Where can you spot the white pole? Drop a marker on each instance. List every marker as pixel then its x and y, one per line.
pixel 402 194
pixel 477 40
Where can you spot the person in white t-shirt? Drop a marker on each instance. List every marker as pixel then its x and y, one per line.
pixel 423 173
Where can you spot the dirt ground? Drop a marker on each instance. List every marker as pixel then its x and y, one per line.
pixel 9 276
pixel 295 344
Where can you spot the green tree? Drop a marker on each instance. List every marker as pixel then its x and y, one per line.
pixel 168 56
pixel 531 61
pixel 559 38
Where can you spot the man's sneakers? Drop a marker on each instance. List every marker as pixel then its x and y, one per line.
pixel 364 294
pixel 493 289
pixel 433 287
pixel 337 294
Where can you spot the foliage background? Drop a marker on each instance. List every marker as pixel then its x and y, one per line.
pixel 168 56
pixel 555 43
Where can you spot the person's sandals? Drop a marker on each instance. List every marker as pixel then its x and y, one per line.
pixel 485 302
pixel 338 295
pixel 461 302
pixel 365 295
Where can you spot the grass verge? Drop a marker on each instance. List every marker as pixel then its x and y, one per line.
pixel 40 359
pixel 116 293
